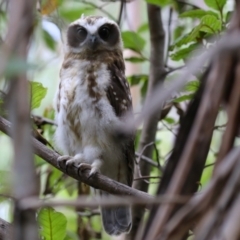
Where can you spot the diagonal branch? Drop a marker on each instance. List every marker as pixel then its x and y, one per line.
pixel 97 181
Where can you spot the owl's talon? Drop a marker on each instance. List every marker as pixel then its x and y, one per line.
pixel 82 167
pixel 93 172
pixel 62 161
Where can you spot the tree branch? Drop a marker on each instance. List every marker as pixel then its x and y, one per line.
pixel 156 77
pixel 197 207
pixel 192 159
pixel 97 181
pixel 24 175
pixel 5 230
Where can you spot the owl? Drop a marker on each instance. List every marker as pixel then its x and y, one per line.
pixel 91 102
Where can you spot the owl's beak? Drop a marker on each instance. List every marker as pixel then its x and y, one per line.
pixel 93 41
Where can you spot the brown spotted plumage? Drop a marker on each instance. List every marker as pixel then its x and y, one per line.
pixel 91 104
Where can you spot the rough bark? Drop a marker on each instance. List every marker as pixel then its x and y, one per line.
pixel 156 77
pixel 24 175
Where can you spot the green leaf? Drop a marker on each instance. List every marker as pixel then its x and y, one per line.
pixel 178 32
pixel 228 16
pixel 190 37
pixel 216 4
pixel 5 180
pixel 136 79
pixel 133 41
pixel 169 120
pixel 183 53
pixel 192 86
pixel 71 14
pixel 144 88
pixel 197 13
pixel 48 39
pixel 52 224
pixel 160 3
pixel 135 59
pixel 67 238
pixel 183 98
pixel 38 92
pixel 71 236
pixel 143 28
pixel 210 24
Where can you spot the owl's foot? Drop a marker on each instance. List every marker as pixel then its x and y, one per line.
pixel 62 160
pixel 95 167
pixel 65 161
pixel 79 162
pixel 83 166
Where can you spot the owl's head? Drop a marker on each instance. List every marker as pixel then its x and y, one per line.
pixel 93 33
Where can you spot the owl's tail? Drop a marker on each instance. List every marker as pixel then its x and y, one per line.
pixel 116 220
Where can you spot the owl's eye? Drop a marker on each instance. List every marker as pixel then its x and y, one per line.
pixel 104 33
pixel 82 33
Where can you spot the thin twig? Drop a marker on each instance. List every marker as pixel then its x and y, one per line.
pixel 157 156
pixel 148 160
pixel 139 158
pixel 39 120
pixel 120 12
pixel 169 33
pixel 100 8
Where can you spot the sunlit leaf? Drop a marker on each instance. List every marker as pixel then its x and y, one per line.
pixel 136 79
pixel 50 42
pixel 178 32
pixel 160 3
pixel 71 14
pixel 133 41
pixel 52 224
pixel 197 13
pixel 210 24
pixel 169 120
pixel 135 59
pixel 216 4
pixel 143 28
pixel 183 53
pixel 192 86
pixel 38 92
pixel 67 238
pixel 190 37
pixel 184 98
pixel 5 180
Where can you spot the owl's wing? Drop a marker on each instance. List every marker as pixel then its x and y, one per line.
pixel 119 96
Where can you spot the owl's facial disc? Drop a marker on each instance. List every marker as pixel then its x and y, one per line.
pixel 106 37
pixel 76 36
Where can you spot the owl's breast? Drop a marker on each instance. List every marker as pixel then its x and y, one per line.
pixel 85 116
